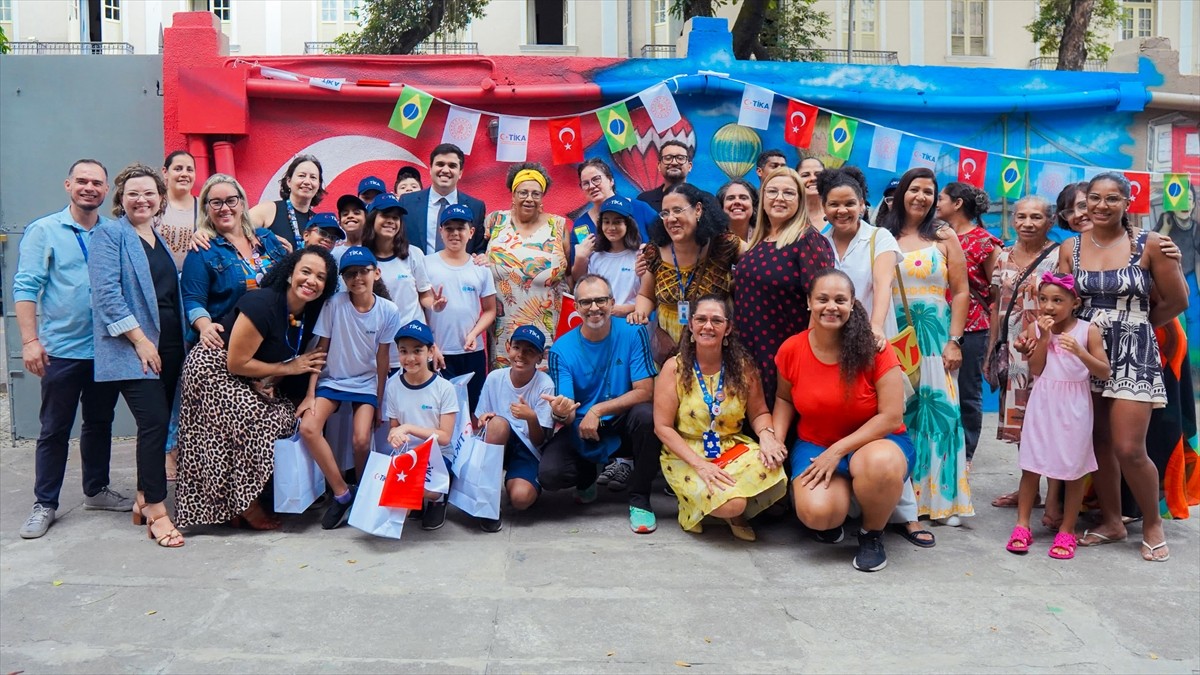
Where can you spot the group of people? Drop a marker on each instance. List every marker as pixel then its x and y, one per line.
pixel 850 372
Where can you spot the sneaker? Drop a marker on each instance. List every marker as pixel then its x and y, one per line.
pixel 108 500
pixel 434 515
pixel 491 524
pixel 335 516
pixel 642 521
pixel 607 474
pixel 40 519
pixel 870 557
pixel 668 491
pixel 831 536
pixel 587 495
pixel 621 474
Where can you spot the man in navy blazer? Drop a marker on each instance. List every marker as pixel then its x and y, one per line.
pixel 423 206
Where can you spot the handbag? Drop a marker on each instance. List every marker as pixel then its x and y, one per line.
pixel 366 514
pixel 478 473
pixel 298 479
pixel 995 369
pixel 904 343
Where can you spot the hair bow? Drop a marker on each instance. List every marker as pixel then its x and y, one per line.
pixel 1065 281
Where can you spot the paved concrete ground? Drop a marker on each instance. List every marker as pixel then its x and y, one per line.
pixel 571 589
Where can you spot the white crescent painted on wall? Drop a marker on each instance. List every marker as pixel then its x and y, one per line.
pixel 563 131
pixel 339 154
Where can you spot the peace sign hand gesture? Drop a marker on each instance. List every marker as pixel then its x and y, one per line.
pixel 439 300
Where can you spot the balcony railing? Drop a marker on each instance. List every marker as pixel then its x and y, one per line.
pixel 864 56
pixel 70 48
pixel 446 47
pixel 658 51
pixel 317 47
pixel 1051 63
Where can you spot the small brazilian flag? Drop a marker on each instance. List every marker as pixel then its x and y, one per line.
pixel 841 136
pixel 618 130
pixel 1177 194
pixel 1012 177
pixel 411 109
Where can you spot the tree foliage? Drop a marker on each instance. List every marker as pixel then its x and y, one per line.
pixel 1075 30
pixel 3 41
pixel 768 30
pixel 398 26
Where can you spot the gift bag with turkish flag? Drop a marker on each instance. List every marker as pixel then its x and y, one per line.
pixel 478 472
pixel 568 317
pixel 367 514
pixel 298 479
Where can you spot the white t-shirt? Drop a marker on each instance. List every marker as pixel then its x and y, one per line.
pixel 499 393
pixel 618 269
pixel 354 338
pixel 405 280
pixel 857 265
pixel 464 286
pixel 422 406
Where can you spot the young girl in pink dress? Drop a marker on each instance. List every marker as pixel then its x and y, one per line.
pixel 1056 441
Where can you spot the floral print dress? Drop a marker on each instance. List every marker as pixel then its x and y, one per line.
pixel 939 472
pixel 529 273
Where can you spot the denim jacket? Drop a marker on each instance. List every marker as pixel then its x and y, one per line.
pixel 213 281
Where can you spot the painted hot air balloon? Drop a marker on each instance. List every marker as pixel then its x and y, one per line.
pixel 734 149
pixel 639 162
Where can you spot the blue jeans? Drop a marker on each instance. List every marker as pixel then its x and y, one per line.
pixel 65 384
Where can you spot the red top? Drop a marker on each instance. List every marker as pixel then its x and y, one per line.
pixel 827 414
pixel 977 245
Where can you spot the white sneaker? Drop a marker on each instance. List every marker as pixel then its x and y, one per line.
pixel 40 519
pixel 952 521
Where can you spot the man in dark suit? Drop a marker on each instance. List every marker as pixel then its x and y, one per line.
pixel 424 206
pixel 674 165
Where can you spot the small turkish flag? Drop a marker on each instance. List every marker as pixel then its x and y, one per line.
pixel 405 484
pixel 568 317
pixel 566 140
pixel 799 124
pixel 1139 191
pixel 972 165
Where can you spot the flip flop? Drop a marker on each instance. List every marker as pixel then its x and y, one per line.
pixel 1100 539
pixel 914 538
pixel 1009 501
pixel 1152 549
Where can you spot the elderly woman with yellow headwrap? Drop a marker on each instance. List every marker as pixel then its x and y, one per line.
pixel 527 250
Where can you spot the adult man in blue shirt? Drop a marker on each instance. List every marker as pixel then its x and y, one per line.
pixel 603 376
pixel 52 270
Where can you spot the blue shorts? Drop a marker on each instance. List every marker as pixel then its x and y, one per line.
pixel 804 452
pixel 520 462
pixel 339 396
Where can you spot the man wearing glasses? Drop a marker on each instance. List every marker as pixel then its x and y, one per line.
pixel 603 376
pixel 674 165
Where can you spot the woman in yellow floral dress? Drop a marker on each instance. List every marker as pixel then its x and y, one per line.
pixel 702 398
pixel 933 270
pixel 527 253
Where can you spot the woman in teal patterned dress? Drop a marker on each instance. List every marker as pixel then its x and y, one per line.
pixel 933 262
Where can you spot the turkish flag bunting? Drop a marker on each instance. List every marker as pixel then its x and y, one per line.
pixel 566 140
pixel 800 121
pixel 972 165
pixel 568 318
pixel 1139 191
pixel 405 484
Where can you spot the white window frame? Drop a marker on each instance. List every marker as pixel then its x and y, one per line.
pixel 111 10
pixel 842 15
pixel 331 6
pixel 987 29
pixel 226 7
pixel 1130 10
pixel 7 4
pixel 569 44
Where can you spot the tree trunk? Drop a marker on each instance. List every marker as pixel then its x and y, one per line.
pixel 698 8
pixel 406 41
pixel 1072 50
pixel 748 27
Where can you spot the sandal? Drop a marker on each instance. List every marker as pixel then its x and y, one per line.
pixel 1020 540
pixel 1100 539
pixel 742 532
pixel 921 538
pixel 169 536
pixel 1009 501
pixel 1151 549
pixel 1064 541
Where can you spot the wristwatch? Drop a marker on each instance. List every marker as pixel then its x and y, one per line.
pixel 956 339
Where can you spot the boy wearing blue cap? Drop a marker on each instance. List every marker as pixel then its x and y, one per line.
pixel 464 300
pixel 515 415
pixel 323 230
pixel 418 404
pixel 369 188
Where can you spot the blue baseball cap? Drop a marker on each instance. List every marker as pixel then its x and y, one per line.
pixel 371 183
pixel 531 335
pixel 357 256
pixel 415 330
pixel 618 205
pixel 386 200
pixel 327 222
pixel 350 200
pixel 457 212
pixel 891 186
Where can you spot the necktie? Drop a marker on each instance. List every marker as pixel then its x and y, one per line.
pixel 442 204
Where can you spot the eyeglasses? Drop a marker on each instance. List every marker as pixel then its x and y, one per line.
pixel 135 196
pixel 528 194
pixel 231 202
pixel 326 236
pixel 355 272
pixel 1110 200
pixel 785 195
pixel 674 159
pixel 594 181
pixel 714 321
pixel 677 211
pixel 597 301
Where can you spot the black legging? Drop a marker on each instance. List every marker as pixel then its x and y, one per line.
pixel 151 402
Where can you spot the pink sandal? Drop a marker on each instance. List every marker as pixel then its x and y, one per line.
pixel 1020 540
pixel 1065 541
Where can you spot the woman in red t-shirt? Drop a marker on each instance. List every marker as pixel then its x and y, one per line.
pixel 862 451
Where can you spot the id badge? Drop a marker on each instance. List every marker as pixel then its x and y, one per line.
pixel 685 310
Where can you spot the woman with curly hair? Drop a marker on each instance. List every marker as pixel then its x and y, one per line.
pixel 527 250
pixel 239 398
pixel 694 233
pixel 300 189
pixel 702 399
pixel 862 452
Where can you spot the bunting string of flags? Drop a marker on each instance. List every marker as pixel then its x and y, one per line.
pixel 800 120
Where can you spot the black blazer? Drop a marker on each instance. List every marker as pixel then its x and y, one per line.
pixel 416 220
